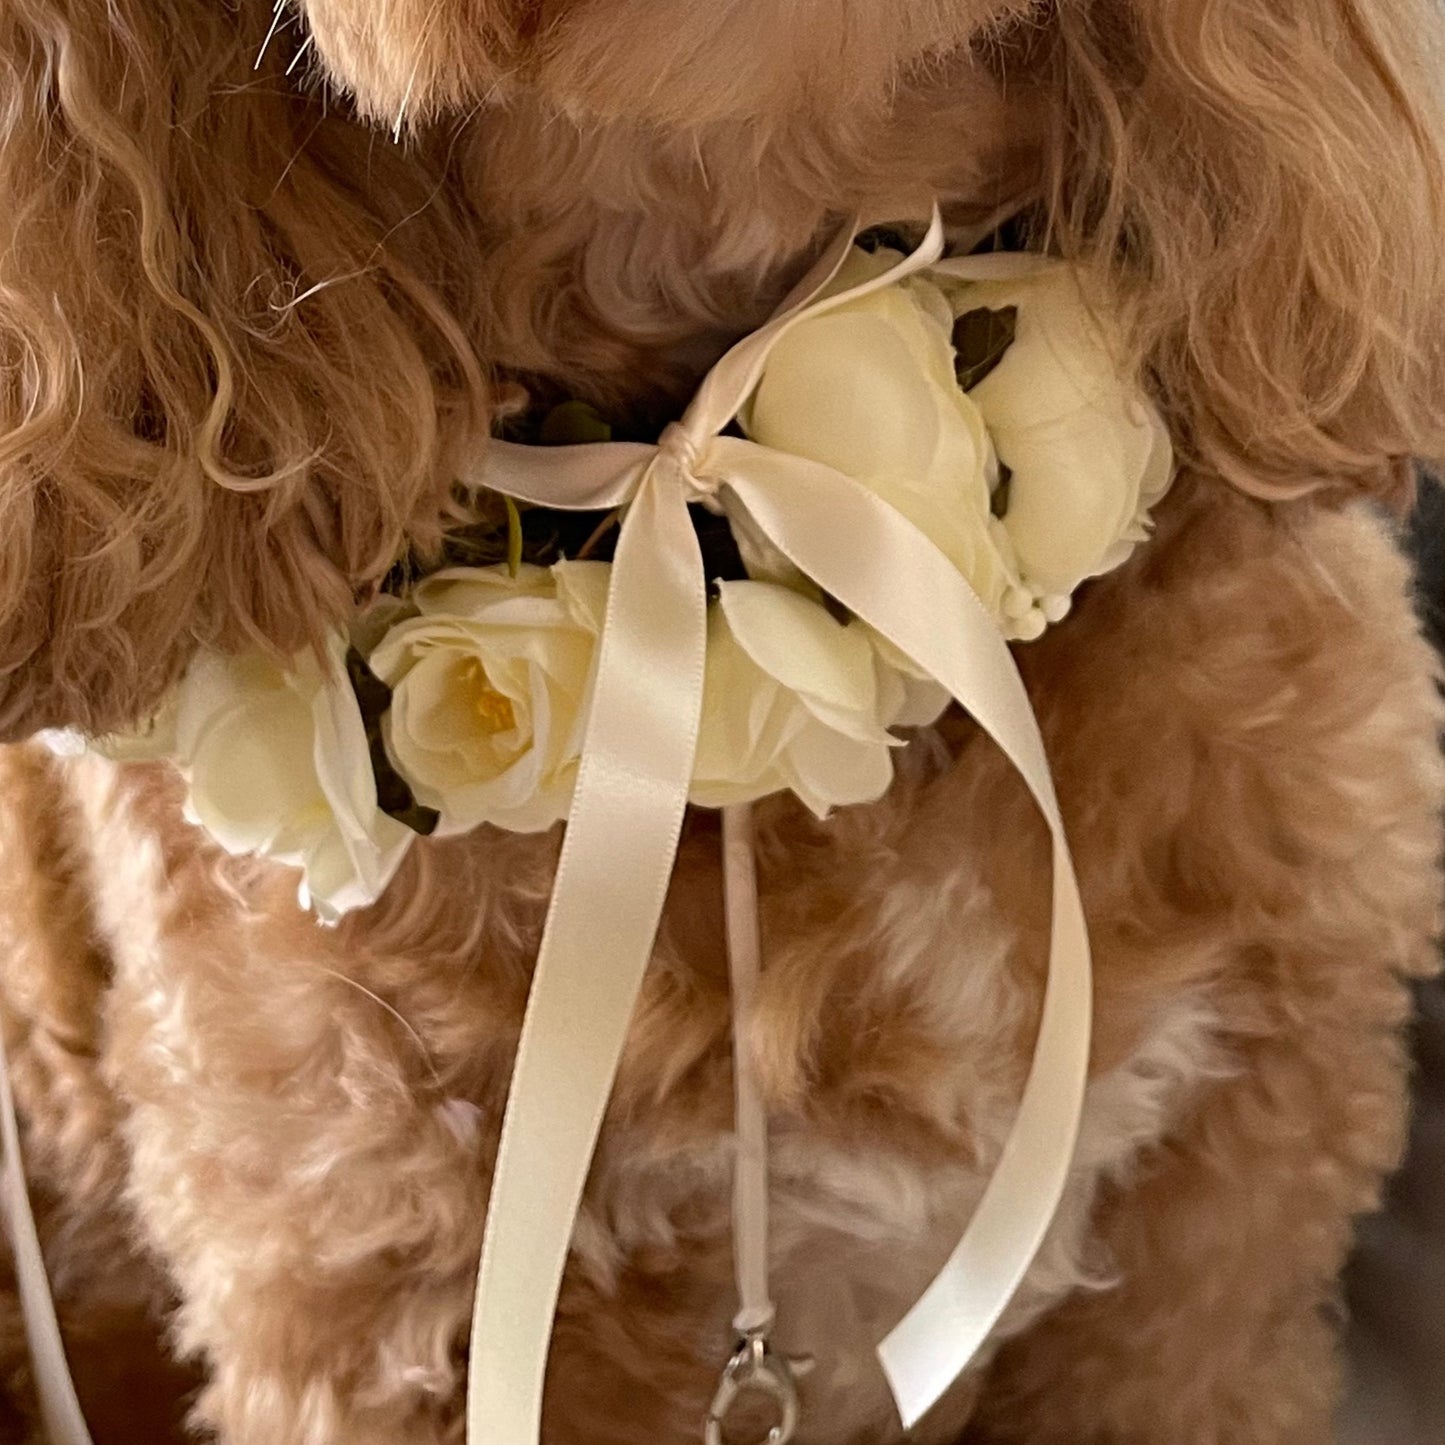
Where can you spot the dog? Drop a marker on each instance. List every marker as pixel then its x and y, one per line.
pixel 264 272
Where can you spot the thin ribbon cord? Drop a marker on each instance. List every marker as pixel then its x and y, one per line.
pixel 59 1407
pixel 750 1120
pixel 755 1366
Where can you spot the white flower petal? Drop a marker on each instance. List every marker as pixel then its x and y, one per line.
pixel 1074 491
pixel 341 875
pixel 828 665
pixel 467 591
pixel 278 764
pixel 734 746
pixel 828 770
pixel 582 588
pixel 843 390
pixel 790 700
pixel 215 684
pixel 252 775
pixel 1088 453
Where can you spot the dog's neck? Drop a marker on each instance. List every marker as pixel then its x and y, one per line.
pixel 618 260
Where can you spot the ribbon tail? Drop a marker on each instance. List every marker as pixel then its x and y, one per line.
pixel 935 1341
pixel 616 861
pixel 887 572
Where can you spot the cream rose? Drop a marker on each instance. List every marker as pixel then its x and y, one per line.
pixel 1087 450
pixel 491 684
pixel 868 388
pixel 794 699
pixel 278 764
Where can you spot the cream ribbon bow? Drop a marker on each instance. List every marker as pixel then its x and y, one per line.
pixel 622 836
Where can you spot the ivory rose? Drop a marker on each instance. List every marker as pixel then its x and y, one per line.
pixel 491 682
pixel 277 763
pixel 793 698
pixel 1087 451
pixel 868 388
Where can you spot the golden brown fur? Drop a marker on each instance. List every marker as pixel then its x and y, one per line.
pixel 241 335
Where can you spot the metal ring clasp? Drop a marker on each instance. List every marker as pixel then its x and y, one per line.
pixel 758 1368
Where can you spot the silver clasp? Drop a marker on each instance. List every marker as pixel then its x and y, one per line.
pixel 757 1367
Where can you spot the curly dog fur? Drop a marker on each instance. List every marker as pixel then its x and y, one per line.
pixel 243 331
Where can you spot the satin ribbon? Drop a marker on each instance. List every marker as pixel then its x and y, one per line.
pixel 622 837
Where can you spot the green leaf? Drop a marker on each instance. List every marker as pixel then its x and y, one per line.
pixel 998 502
pixel 980 339
pixel 883 238
pixel 572 423
pixel 393 796
pixel 514 537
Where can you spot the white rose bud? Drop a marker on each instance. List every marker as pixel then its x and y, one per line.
pixel 869 389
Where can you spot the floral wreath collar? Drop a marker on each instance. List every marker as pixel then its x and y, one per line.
pixel 915 462
pixel 979 398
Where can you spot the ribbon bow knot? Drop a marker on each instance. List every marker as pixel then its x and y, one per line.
pixel 625 822
pixel 682 455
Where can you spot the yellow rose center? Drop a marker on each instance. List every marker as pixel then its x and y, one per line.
pixel 493 709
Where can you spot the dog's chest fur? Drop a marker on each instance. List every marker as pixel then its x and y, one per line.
pixel 361 1074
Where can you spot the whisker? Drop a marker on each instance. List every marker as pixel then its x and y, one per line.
pixel 301 51
pixel 421 41
pixel 277 10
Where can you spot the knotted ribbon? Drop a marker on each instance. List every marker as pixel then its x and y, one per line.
pixel 622 837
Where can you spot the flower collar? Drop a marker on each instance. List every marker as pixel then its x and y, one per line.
pixel 982 400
